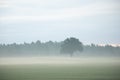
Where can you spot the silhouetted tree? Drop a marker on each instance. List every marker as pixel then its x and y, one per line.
pixel 71 45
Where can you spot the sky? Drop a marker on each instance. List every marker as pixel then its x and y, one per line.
pixel 91 21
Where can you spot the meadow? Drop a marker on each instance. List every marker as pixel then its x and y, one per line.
pixel 60 69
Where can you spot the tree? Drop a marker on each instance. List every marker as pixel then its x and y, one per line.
pixel 71 45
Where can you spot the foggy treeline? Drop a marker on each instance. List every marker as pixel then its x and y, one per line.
pixel 49 48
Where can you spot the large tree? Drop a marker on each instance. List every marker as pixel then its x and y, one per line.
pixel 71 45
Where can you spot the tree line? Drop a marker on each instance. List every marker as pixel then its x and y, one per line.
pixel 70 46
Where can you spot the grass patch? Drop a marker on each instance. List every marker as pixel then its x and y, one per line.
pixel 60 72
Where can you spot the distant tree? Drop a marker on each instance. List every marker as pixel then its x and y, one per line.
pixel 38 42
pixel 71 45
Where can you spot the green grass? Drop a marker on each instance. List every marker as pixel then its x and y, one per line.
pixel 60 72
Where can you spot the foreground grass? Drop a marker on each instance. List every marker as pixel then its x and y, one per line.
pixel 60 72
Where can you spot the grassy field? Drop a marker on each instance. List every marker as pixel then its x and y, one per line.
pixel 96 71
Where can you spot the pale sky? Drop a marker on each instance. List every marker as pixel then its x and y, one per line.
pixel 91 21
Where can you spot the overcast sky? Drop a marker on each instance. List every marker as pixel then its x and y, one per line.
pixel 92 21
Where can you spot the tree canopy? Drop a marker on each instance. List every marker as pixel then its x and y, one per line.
pixel 71 45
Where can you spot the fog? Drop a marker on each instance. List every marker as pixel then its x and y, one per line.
pixel 60 60
pixel 78 35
